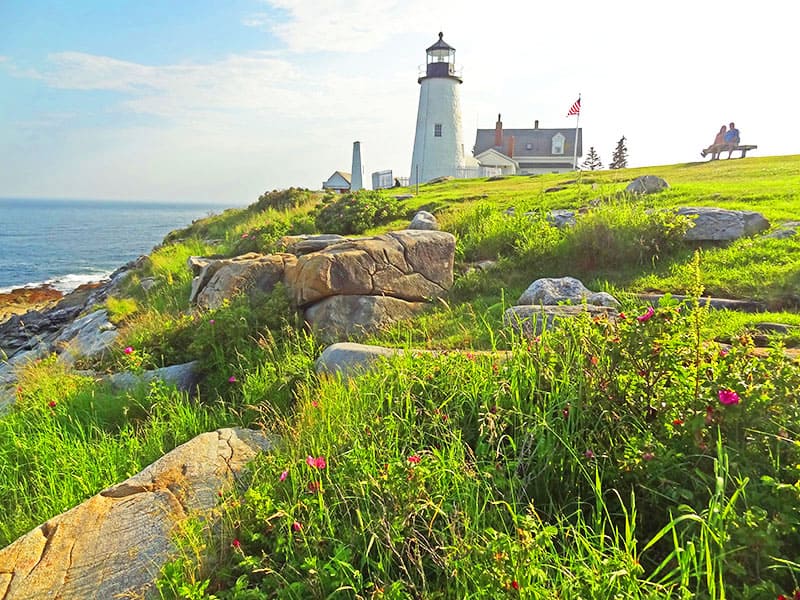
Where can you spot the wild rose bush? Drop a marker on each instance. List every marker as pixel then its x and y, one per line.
pixel 488 475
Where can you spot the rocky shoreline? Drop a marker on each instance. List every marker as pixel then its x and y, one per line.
pixel 20 300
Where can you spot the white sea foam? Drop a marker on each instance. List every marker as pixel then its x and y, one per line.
pixel 64 283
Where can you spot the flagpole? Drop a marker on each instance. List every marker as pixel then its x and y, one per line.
pixel 577 122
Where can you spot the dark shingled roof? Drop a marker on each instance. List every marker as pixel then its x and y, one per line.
pixel 540 140
pixel 440 45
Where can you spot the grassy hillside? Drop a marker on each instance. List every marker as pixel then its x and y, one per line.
pixel 631 459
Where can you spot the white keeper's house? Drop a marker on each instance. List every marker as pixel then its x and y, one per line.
pixel 527 151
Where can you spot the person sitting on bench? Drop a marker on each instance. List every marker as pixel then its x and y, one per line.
pixel 731 139
pixel 718 145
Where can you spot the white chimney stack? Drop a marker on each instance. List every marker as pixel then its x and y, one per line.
pixel 355 171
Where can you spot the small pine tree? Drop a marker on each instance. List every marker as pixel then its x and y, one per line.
pixel 592 162
pixel 619 160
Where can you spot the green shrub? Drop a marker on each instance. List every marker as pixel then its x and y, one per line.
pixel 623 234
pixel 120 308
pixel 485 232
pixel 283 200
pixel 356 212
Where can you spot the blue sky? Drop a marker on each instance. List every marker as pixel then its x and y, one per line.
pixel 220 101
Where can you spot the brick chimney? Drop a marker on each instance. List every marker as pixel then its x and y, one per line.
pixel 510 149
pixel 498 132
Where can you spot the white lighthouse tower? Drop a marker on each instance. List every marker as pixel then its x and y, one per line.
pixel 438 142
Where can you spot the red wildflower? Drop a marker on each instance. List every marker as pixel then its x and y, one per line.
pixel 236 544
pixel 313 487
pixel 648 314
pixel 315 404
pixel 515 585
pixel 594 360
pixel 52 404
pixel 677 422
pixel 297 526
pixel 622 315
pixel 648 456
pixel 589 454
pixel 414 459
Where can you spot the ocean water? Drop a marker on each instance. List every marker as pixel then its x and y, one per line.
pixel 69 242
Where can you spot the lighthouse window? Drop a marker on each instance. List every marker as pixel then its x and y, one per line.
pixel 437 130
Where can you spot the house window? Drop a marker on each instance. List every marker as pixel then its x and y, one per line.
pixel 558 144
pixel 437 130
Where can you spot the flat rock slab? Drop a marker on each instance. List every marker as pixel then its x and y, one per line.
pixel 184 377
pixel 300 245
pixel 533 320
pixel 90 336
pixel 348 359
pixel 721 225
pixel 785 230
pixel 114 544
pixel 749 306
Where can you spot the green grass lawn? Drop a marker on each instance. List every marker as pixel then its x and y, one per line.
pixel 629 459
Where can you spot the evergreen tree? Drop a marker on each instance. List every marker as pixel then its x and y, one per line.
pixel 619 160
pixel 592 162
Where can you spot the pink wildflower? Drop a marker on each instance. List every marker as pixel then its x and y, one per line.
pixel 313 487
pixel 648 314
pixel 589 454
pixel 128 350
pixel 297 526
pixel 414 459
pixel 648 456
pixel 728 397
pixel 283 476
pixel 317 463
pixel 232 379
pixel 211 321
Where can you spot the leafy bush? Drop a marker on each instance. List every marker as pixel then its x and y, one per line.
pixel 263 237
pixel 356 212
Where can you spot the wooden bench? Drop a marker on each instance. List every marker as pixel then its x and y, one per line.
pixel 715 153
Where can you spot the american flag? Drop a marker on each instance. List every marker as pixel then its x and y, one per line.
pixel 575 109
